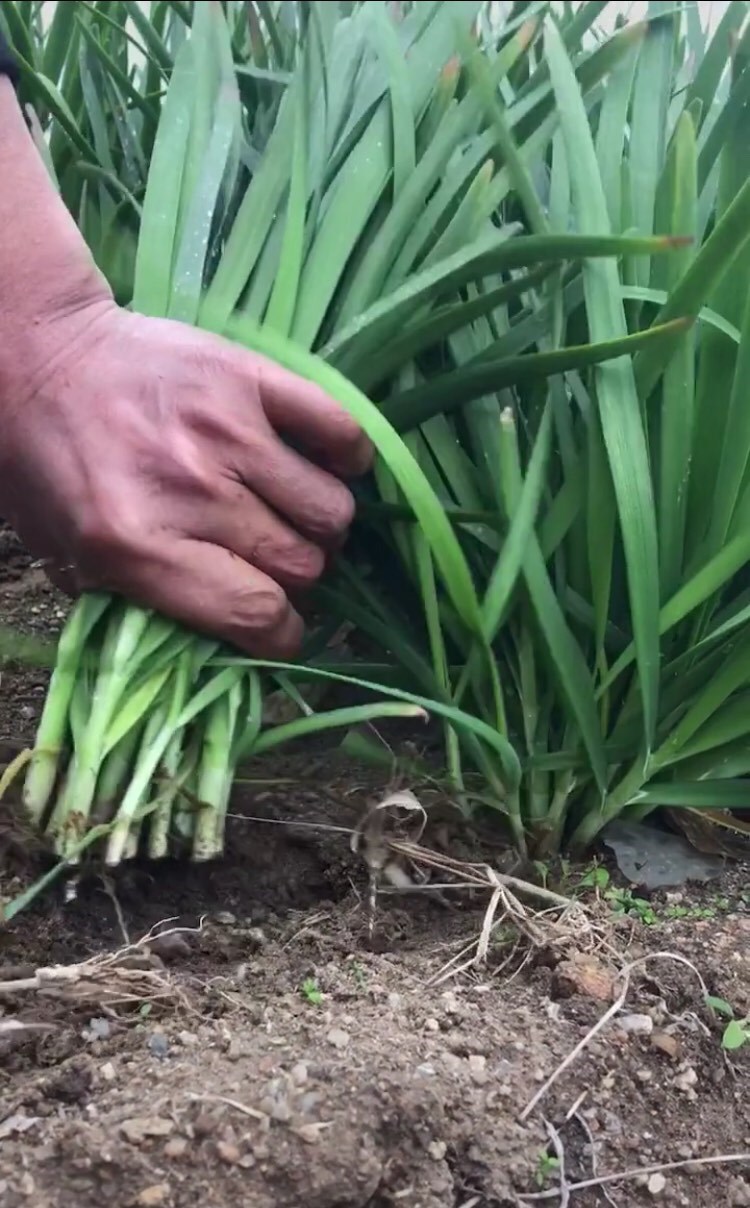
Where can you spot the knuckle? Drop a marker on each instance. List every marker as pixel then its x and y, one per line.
pixel 335 511
pixel 345 429
pixel 267 607
pixel 103 534
pixel 299 561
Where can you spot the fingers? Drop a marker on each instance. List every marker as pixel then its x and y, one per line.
pixel 315 503
pixel 209 590
pixel 304 412
pixel 241 522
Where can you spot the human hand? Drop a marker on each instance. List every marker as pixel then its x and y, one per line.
pixel 142 457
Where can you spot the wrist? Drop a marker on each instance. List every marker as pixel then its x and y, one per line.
pixel 50 284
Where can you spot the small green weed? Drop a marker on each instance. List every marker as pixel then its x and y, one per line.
pixel 596 878
pixel 736 1031
pixel 546 1166
pixel 677 911
pixel 623 901
pixel 312 991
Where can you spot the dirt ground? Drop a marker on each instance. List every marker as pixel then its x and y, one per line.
pixel 274 1054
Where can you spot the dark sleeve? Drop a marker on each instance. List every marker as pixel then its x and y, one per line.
pixel 8 65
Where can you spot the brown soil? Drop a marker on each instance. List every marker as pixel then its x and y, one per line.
pixel 276 1057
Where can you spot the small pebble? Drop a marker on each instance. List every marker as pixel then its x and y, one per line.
pixel 309 1133
pixel 431 1025
pixel 281 1111
pixel 187 1039
pixel 478 1068
pixel 338 1038
pixel 151 1197
pixel 228 1152
pixel 309 1102
pixel 138 1128
pixel 641 1025
pixel 225 918
pixel 299 1074
pixel 437 1150
pixel 686 1080
pixel 666 1043
pixel 98 1029
pixel 107 1072
pixel 158 1045
pixel 656 1183
pixel 175 1147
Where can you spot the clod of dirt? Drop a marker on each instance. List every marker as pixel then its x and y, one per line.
pixel 170 947
pixel 585 975
pixel 138 1128
pixel 739 1193
pixel 71 1085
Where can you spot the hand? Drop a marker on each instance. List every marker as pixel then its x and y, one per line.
pixel 141 457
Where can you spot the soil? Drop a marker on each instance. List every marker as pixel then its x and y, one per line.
pixel 275 1053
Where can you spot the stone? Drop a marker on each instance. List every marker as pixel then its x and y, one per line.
pixel 666 1043
pixel 158 1045
pixel 151 1197
pixel 176 1147
pixel 640 1025
pixel 138 1128
pixel 338 1038
pixel 228 1152
pixel 686 1080
pixel 478 1068
pixel 299 1073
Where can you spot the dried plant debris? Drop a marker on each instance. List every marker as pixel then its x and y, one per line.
pixel 131 976
pixel 387 838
